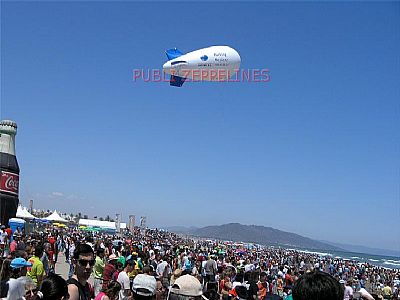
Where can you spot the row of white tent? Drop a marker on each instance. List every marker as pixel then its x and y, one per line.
pixel 23 213
pixel 101 224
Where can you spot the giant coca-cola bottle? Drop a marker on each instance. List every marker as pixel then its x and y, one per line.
pixel 9 181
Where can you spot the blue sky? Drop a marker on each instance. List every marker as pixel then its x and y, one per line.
pixel 314 151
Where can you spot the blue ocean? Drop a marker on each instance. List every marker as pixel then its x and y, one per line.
pixel 390 262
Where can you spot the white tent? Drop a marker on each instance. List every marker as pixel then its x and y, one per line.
pixel 101 224
pixel 97 223
pixel 23 213
pixel 55 217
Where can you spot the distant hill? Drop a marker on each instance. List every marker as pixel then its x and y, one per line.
pixel 260 235
pixel 270 236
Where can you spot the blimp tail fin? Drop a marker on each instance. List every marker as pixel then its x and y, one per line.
pixel 173 53
pixel 176 80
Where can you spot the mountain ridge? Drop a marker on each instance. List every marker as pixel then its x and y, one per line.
pixel 258 234
pixel 326 245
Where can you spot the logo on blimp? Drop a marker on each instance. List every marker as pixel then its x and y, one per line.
pixel 204 57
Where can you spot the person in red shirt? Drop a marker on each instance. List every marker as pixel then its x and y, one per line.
pixel 50 253
pixel 13 244
pixel 109 270
pixel 52 241
pixel 9 232
pixel 225 279
pixel 288 278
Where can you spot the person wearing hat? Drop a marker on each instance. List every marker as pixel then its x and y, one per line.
pixel 144 287
pixel 175 275
pixel 109 270
pixel 186 286
pixel 279 284
pixel 138 265
pixel 18 268
pixel 21 265
pixel 348 290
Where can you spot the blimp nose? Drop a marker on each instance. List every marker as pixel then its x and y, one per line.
pixel 167 67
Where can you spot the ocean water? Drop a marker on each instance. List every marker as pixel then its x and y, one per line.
pixel 390 262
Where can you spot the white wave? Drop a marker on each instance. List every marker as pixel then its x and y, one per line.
pixel 371 259
pixel 393 261
pixel 391 264
pixel 355 257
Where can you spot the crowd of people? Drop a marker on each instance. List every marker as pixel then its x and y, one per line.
pixel 155 264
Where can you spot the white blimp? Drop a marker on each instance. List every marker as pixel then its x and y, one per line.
pixel 216 63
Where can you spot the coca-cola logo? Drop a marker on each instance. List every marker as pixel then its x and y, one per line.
pixel 9 182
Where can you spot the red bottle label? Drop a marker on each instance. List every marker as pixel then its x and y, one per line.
pixel 9 182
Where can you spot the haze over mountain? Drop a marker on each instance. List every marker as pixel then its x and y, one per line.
pixel 181 229
pixel 270 236
pixel 364 249
pixel 256 234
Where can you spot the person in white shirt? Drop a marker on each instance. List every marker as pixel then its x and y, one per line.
pixel 123 279
pixel 161 266
pixel 248 267
pixel 348 290
pixel 302 265
pixel 3 234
